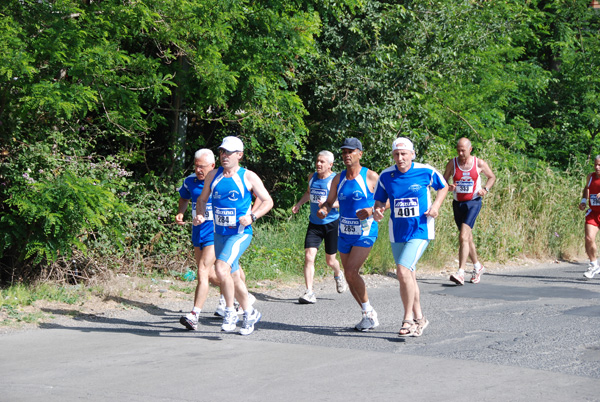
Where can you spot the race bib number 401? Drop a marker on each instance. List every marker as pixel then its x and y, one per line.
pixel 406 207
pixel 225 216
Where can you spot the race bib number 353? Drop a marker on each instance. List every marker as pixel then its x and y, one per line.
pixel 406 207
pixel 464 186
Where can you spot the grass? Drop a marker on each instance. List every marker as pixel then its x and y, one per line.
pixel 16 296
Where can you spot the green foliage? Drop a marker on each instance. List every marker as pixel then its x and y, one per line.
pixel 53 216
pixel 121 95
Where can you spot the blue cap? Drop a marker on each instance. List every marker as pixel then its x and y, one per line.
pixel 352 143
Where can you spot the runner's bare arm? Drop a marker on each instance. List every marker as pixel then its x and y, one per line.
pixel 183 204
pixel 585 193
pixel 305 197
pixel 448 174
pixel 433 211
pixel 491 177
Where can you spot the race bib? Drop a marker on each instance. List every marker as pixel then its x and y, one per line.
pixel 594 201
pixel 464 186
pixel 318 195
pixel 350 226
pixel 225 216
pixel 208 214
pixel 406 207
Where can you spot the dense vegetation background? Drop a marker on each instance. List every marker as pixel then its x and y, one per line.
pixel 103 103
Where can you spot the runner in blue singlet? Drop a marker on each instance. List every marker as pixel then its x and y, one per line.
pixel 353 189
pixel 319 185
pixel 202 235
pixel 231 187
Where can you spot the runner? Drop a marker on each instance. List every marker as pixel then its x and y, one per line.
pixel 319 184
pixel 353 188
pixel 591 191
pixel 405 185
pixel 202 235
pixel 465 172
pixel 202 239
pixel 231 187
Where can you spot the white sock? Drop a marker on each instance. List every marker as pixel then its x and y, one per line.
pixel 367 306
pixel 594 263
pixel 230 309
pixel 461 271
pixel 249 312
pixel 196 310
pixel 477 265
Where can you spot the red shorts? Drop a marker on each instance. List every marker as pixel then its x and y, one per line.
pixel 592 218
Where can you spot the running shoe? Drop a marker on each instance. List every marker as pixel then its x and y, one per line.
pixel 190 321
pixel 476 274
pixel 249 321
pixel 592 270
pixel 229 321
pixel 458 278
pixel 340 283
pixel 220 311
pixel 308 297
pixel 368 322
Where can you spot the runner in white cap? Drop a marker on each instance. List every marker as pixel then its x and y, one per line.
pixel 404 187
pixel 231 187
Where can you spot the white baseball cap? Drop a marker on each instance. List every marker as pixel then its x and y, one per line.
pixel 232 144
pixel 404 143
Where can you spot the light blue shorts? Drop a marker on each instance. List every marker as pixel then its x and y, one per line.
pixel 344 246
pixel 408 254
pixel 229 249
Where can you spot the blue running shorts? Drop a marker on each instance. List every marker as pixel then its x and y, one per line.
pixel 407 254
pixel 229 249
pixel 345 246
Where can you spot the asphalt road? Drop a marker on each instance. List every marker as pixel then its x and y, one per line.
pixel 519 335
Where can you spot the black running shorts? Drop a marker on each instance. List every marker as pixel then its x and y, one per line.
pixel 315 234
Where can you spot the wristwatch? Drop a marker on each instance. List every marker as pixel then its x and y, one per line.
pixel 487 190
pixel 253 217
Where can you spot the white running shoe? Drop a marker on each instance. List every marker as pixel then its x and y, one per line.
pixel 340 283
pixel 592 270
pixel 368 322
pixel 249 321
pixel 220 311
pixel 308 297
pixel 190 321
pixel 458 277
pixel 229 321
pixel 476 274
